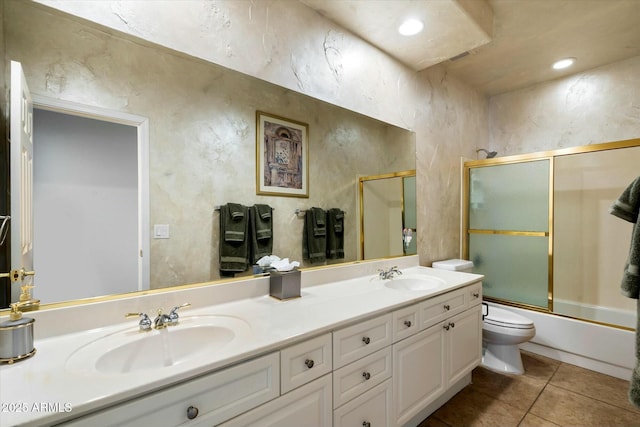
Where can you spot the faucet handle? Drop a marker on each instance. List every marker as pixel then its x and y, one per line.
pixel 145 322
pixel 173 314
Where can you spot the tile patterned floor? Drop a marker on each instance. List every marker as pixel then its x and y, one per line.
pixel 549 394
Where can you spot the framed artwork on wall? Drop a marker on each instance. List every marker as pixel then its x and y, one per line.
pixel 282 156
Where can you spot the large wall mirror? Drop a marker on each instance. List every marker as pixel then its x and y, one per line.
pixel 388 224
pixel 201 145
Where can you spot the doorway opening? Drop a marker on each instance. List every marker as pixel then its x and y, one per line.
pixel 90 201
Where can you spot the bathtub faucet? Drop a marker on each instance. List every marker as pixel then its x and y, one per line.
pixel 390 273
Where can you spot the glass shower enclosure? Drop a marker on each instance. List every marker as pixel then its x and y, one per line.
pixel 538 227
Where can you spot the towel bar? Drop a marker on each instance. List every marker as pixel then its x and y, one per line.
pixel 217 208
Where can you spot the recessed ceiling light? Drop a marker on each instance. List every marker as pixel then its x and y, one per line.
pixel 410 27
pixel 563 63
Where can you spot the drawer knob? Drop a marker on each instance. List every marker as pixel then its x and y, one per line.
pixel 366 375
pixel 446 327
pixel 192 412
pixel 447 307
pixel 407 323
pixel 309 363
pixel 366 424
pixel 366 340
pixel 453 325
pixel 476 294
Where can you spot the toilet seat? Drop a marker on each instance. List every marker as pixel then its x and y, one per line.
pixel 507 319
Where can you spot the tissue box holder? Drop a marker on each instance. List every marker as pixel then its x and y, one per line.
pixel 284 284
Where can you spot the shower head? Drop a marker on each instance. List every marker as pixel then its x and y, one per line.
pixel 490 154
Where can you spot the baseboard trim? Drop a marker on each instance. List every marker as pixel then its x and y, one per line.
pixel 576 359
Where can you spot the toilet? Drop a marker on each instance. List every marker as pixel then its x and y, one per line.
pixel 502 332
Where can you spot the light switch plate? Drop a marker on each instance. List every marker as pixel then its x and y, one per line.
pixel 161 231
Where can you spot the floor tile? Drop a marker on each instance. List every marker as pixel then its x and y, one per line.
pixel 593 384
pixel 568 408
pixel 433 422
pixel 531 420
pixel 472 409
pixel 554 393
pixel 517 390
pixel 538 366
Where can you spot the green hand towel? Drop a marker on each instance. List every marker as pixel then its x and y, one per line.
pixel 627 207
pixel 261 231
pixel 234 246
pixel 314 239
pixel 335 234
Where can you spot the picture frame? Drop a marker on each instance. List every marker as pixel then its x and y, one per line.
pixel 282 156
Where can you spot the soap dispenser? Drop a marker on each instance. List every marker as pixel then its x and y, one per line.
pixel 16 336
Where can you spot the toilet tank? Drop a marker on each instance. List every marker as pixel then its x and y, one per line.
pixel 454 265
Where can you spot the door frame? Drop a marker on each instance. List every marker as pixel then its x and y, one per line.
pixel 142 125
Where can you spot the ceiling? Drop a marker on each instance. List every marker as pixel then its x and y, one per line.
pixel 511 43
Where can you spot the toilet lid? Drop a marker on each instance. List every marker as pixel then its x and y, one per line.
pixel 501 317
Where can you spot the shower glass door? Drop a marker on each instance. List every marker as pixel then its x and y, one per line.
pixel 509 230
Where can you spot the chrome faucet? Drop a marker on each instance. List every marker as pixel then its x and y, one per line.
pixel 173 314
pixel 162 320
pixel 145 322
pixel 390 273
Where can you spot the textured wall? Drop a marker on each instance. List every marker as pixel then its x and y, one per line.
pixel 327 63
pixel 280 41
pixel 452 122
pixel 600 105
pixel 202 135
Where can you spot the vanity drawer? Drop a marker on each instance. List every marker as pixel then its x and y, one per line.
pixel 474 294
pixel 304 362
pixel 373 408
pixel 354 379
pixel 406 322
pixel 359 340
pixel 216 397
pixel 436 309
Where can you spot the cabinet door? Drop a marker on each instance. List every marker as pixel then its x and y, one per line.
pixel 309 406
pixel 464 343
pixel 418 374
pixel 372 409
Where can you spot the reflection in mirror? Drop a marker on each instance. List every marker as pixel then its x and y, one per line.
pixel 86 206
pixel 202 139
pixel 388 211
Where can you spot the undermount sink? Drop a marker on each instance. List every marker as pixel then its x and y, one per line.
pixel 414 283
pixel 130 350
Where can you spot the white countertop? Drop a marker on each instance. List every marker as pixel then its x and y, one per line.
pixel 45 382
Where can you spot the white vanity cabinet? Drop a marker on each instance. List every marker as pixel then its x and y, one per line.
pixel 383 370
pixel 308 405
pixel 306 388
pixel 362 388
pixel 204 401
pixel 426 364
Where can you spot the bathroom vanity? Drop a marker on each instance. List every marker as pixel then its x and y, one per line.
pixel 361 351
